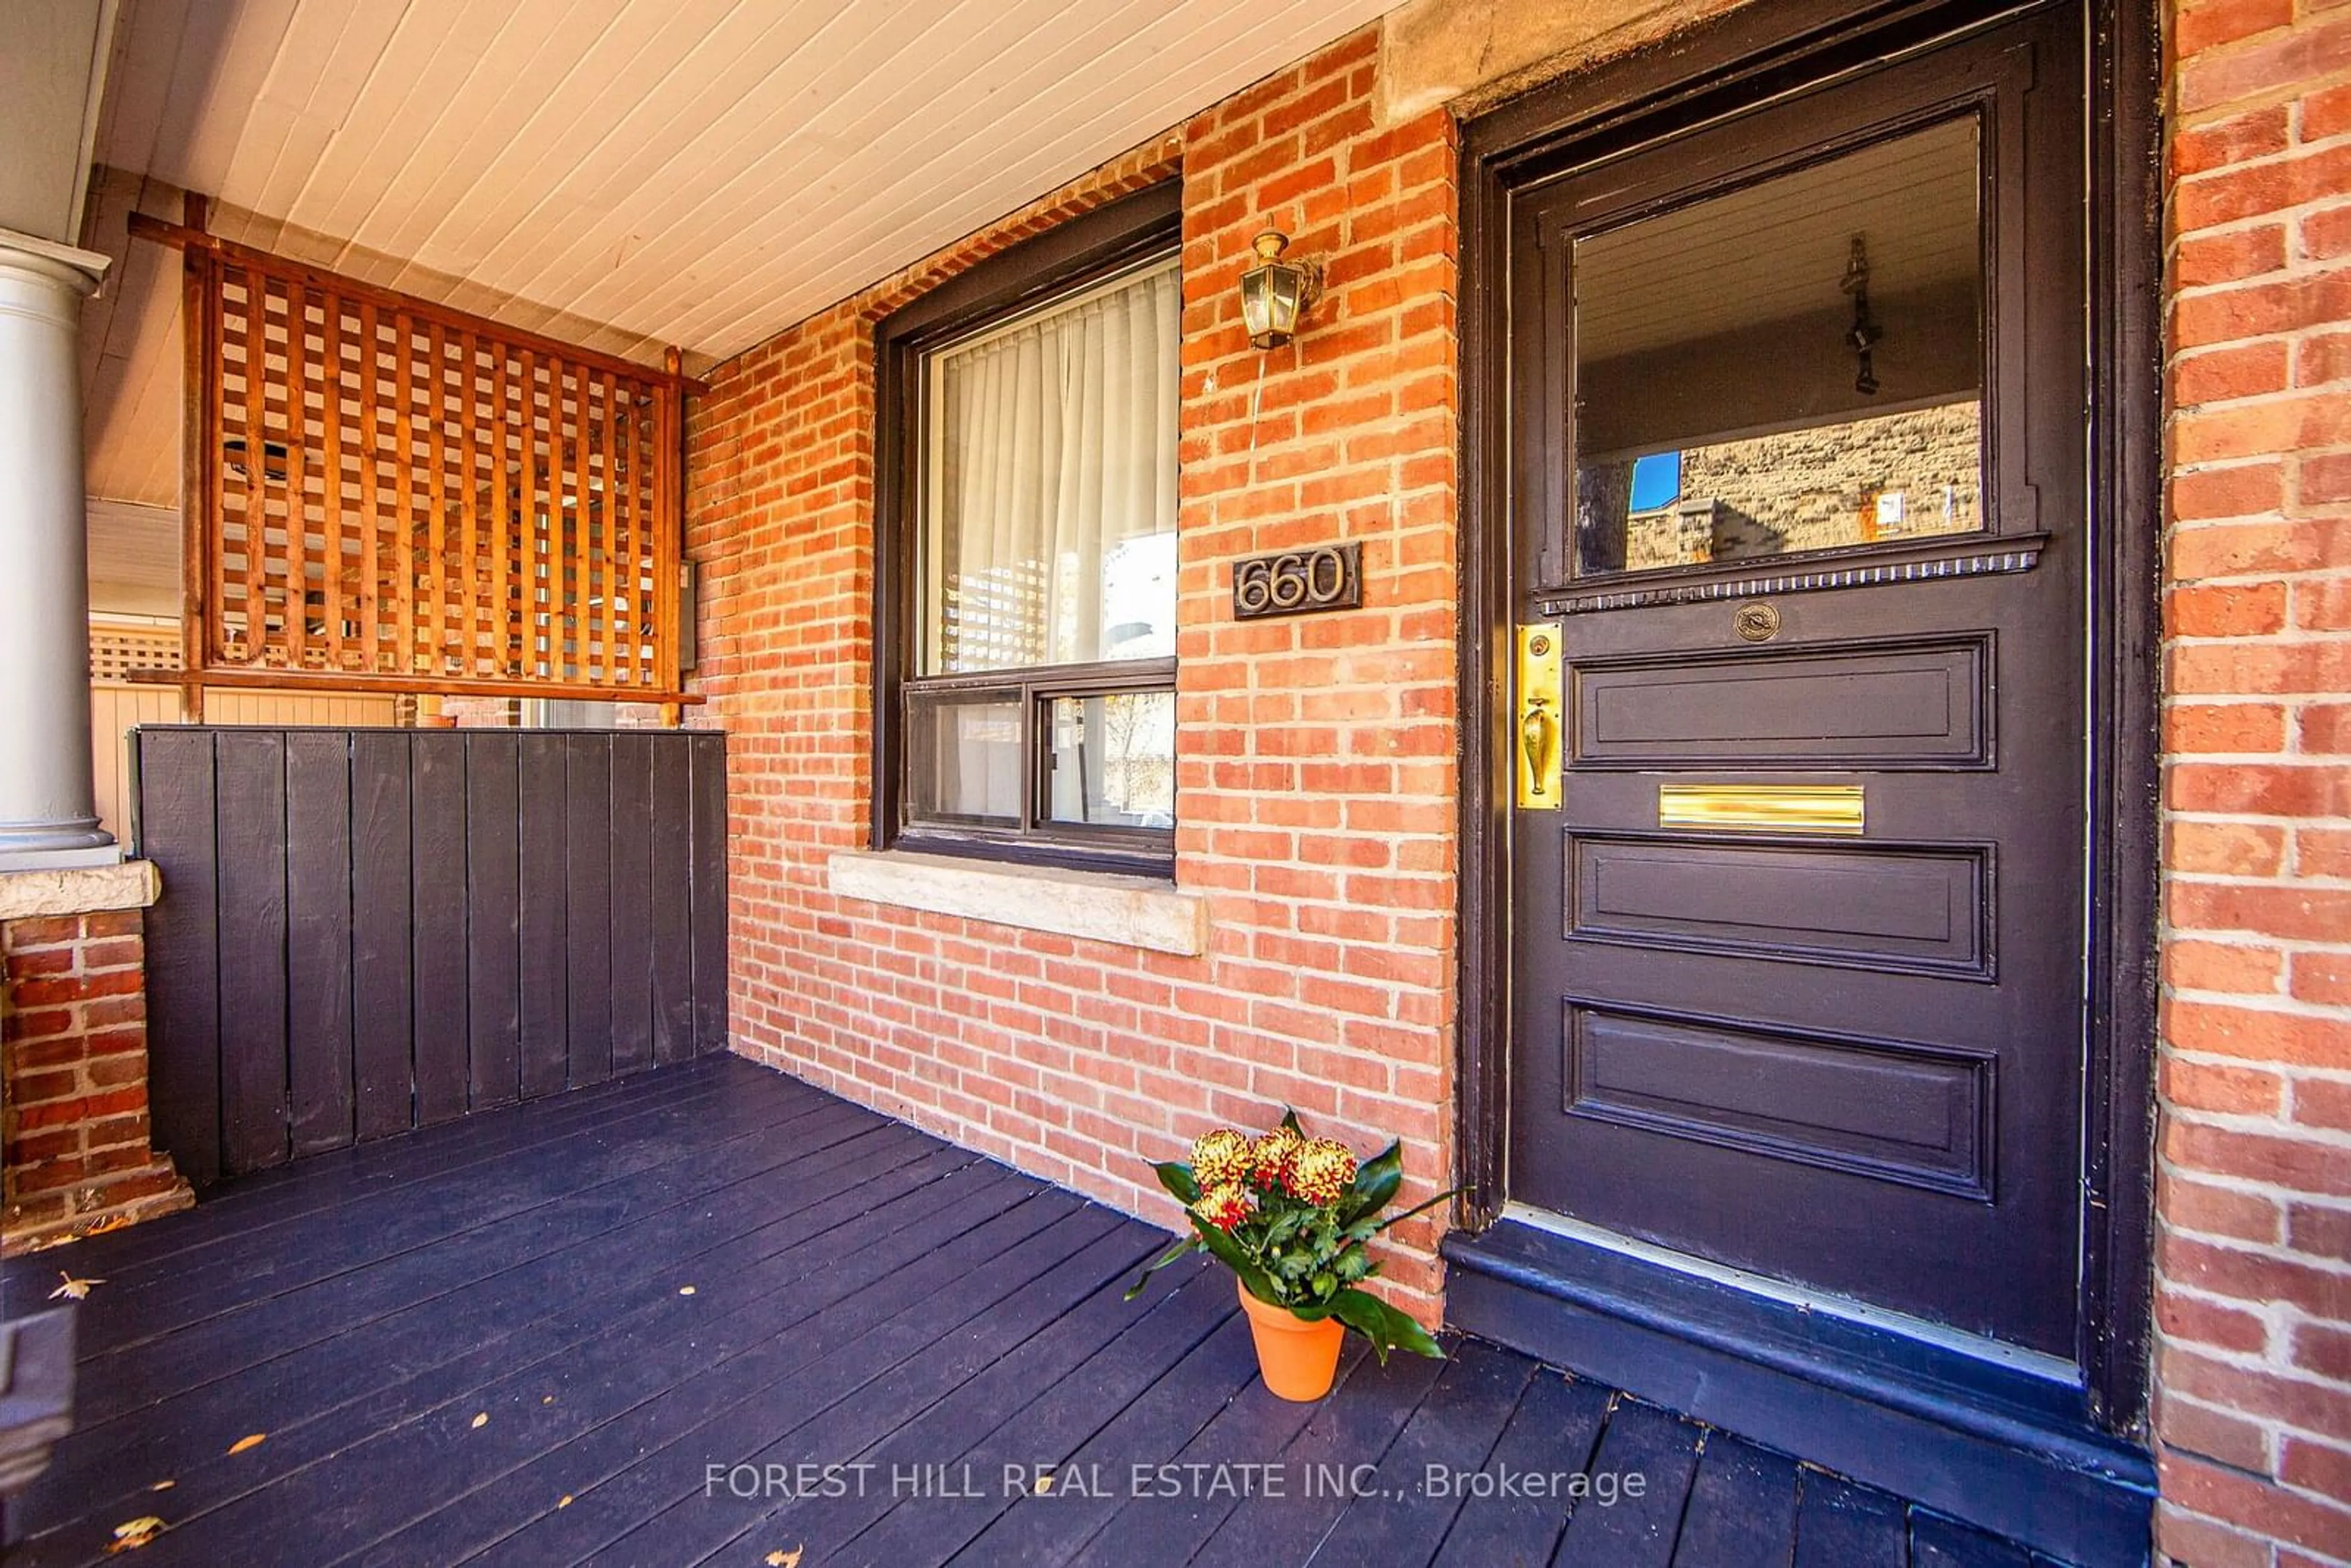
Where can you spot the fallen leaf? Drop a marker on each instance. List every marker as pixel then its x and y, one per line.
pixel 73 1289
pixel 162 1486
pixel 253 1440
pixel 136 1533
pixel 685 1290
pixel 482 1420
pixel 1045 1483
pixel 566 1503
pixel 546 1399
pixel 786 1558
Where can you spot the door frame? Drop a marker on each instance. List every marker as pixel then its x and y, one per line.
pixel 1752 53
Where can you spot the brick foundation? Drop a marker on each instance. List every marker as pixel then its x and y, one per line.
pixel 74 1151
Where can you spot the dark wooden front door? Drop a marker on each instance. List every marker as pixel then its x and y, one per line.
pixel 1799 864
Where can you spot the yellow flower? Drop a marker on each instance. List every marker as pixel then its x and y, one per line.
pixel 1224 1205
pixel 1274 1153
pixel 1323 1172
pixel 1219 1157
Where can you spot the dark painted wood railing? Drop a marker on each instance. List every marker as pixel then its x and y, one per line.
pixel 366 931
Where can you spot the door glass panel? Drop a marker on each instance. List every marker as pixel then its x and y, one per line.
pixel 1792 366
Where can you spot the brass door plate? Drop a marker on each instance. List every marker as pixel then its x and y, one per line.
pixel 1541 728
pixel 1762 808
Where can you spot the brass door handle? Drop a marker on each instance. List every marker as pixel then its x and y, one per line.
pixel 1538 732
pixel 1542 714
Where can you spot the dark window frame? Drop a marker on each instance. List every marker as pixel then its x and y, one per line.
pixel 1070 257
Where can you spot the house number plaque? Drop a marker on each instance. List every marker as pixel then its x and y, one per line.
pixel 1328 577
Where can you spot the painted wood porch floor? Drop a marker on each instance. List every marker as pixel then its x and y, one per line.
pixel 526 1337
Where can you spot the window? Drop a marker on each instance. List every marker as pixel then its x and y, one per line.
pixel 1026 612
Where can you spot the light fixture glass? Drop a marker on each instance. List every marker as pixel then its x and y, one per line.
pixel 1274 293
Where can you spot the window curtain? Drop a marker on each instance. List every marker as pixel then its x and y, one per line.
pixel 1054 442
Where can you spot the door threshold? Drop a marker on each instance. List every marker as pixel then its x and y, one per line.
pixel 1997 1442
pixel 2050 1369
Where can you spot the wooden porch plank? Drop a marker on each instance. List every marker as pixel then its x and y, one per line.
pixel 1254 1429
pixel 437 908
pixel 588 903
pixel 891 1380
pixel 632 832
pixel 1182 1305
pixel 1939 1543
pixel 1457 1427
pixel 175 832
pixel 1637 1532
pixel 1742 1509
pixel 527 1265
pixel 493 929
pixel 1840 1525
pixel 837 1287
pixel 251 768
pixel 571 1332
pixel 1555 1430
pixel 1190 1379
pixel 319 1039
pixel 1340 1435
pixel 512 1277
pixel 155 1309
pixel 545 1003
pixel 263 1211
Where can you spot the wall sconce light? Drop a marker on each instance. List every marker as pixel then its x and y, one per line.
pixel 1275 293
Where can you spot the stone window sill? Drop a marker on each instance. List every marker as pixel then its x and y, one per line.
pixel 1133 911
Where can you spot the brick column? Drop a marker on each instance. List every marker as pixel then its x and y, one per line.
pixel 75 1156
pixel 2253 1293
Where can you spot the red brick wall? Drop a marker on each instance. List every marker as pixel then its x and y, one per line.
pixel 2254 1374
pixel 1316 775
pixel 74 1154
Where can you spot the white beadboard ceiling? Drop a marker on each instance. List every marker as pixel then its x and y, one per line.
pixel 622 173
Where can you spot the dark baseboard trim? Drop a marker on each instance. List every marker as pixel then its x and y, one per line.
pixel 1997 1447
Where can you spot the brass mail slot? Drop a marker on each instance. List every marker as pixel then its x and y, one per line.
pixel 1762 808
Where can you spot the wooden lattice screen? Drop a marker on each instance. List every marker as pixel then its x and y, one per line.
pixel 393 496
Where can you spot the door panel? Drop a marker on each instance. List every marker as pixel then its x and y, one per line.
pixel 1799 495
pixel 1874 706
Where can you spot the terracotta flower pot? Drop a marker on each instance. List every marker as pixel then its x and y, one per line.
pixel 1297 1359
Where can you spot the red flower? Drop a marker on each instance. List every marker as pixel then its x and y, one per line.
pixel 1224 1205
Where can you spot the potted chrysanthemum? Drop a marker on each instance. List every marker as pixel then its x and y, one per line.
pixel 1291 1215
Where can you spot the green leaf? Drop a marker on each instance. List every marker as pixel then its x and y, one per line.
pixel 1178 1179
pixel 1415 1208
pixel 1385 1327
pixel 1290 1120
pixel 1228 1252
pixel 1189 1245
pixel 1375 1182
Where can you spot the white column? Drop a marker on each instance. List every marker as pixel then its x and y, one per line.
pixel 48 815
